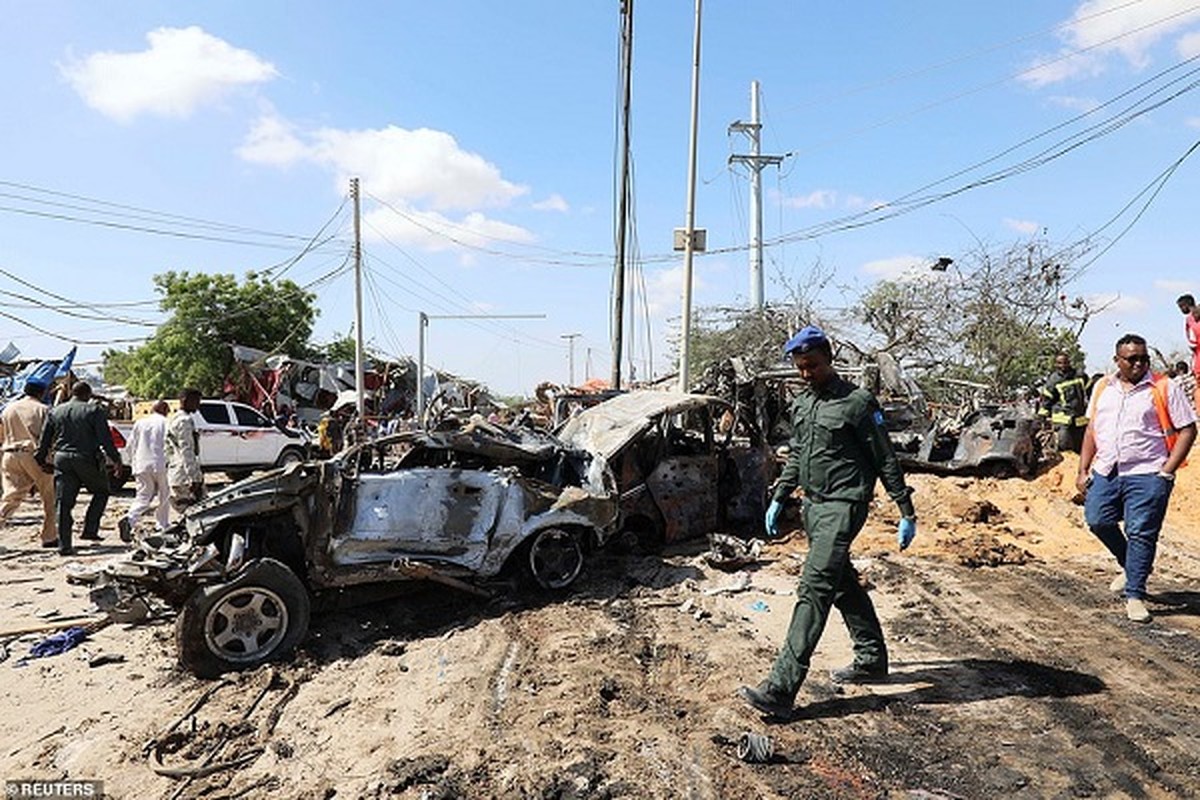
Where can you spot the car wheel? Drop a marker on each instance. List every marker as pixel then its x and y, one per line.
pixel 260 614
pixel 289 456
pixel 555 558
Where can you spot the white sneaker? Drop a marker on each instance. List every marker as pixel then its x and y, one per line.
pixel 1118 584
pixel 1136 610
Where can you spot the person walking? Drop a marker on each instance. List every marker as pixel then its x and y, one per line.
pixel 1191 330
pixel 182 448
pixel 78 433
pixel 23 421
pixel 1064 403
pixel 147 443
pixel 1142 427
pixel 839 448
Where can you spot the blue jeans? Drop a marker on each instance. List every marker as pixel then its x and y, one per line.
pixel 1141 502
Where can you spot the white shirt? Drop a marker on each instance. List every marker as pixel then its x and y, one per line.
pixel 146 444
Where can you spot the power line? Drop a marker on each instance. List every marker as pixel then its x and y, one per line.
pixel 195 221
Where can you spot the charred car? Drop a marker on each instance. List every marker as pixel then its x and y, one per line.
pixel 471 507
pixel 997 441
pixel 679 468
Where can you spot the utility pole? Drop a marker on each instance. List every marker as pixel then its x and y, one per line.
pixel 755 161
pixel 626 71
pixel 359 378
pixel 689 232
pixel 570 337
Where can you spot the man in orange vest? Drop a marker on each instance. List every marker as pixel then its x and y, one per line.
pixel 1140 430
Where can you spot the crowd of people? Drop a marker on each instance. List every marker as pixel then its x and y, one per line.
pixel 58 450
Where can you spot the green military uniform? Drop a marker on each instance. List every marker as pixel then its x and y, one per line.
pixel 78 433
pixel 1064 403
pixel 838 449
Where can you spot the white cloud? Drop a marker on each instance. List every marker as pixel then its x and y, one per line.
pixel 394 163
pixel 272 140
pixel 1023 226
pixel 1080 104
pixel 554 202
pixel 1192 122
pixel 1181 287
pixel 664 290
pixel 1099 29
pixel 896 267
pixel 181 70
pixel 423 174
pixel 818 198
pixel 1188 45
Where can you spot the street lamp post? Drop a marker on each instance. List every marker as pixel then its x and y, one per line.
pixel 423 324
pixel 570 337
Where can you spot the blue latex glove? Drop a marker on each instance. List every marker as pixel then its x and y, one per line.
pixel 906 532
pixel 772 518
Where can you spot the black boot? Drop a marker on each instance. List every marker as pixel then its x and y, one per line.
pixel 768 699
pixel 860 673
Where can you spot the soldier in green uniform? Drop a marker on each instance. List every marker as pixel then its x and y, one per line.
pixel 838 449
pixel 78 433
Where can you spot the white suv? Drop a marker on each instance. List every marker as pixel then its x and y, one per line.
pixel 237 438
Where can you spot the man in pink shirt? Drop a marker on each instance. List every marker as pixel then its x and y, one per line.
pixel 1191 329
pixel 1128 462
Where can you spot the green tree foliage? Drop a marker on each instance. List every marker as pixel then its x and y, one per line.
pixel 338 351
pixel 209 313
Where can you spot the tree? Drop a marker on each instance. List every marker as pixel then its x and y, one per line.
pixel 998 320
pixel 209 313
pixel 340 350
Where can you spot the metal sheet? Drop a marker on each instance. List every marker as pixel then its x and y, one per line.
pixel 447 513
pixel 608 427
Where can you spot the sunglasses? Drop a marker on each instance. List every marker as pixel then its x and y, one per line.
pixel 1138 359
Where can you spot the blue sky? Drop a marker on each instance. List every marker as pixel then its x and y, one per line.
pixel 484 135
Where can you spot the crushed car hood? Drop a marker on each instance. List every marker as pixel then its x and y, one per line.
pixel 606 428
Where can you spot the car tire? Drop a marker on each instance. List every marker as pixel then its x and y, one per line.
pixel 260 615
pixel 554 558
pixel 290 455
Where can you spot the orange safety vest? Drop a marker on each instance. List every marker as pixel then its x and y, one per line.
pixel 1158 393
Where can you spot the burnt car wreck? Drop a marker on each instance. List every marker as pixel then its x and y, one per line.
pixel 680 469
pixel 244 567
pixel 996 441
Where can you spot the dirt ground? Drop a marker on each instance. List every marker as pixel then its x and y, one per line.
pixel 1015 674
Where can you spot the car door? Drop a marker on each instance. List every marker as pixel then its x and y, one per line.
pixel 423 513
pixel 684 483
pixel 218 434
pixel 258 439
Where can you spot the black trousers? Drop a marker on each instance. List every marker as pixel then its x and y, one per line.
pixel 72 473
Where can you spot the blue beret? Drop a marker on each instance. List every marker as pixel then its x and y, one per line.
pixel 807 338
pixel 36 381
